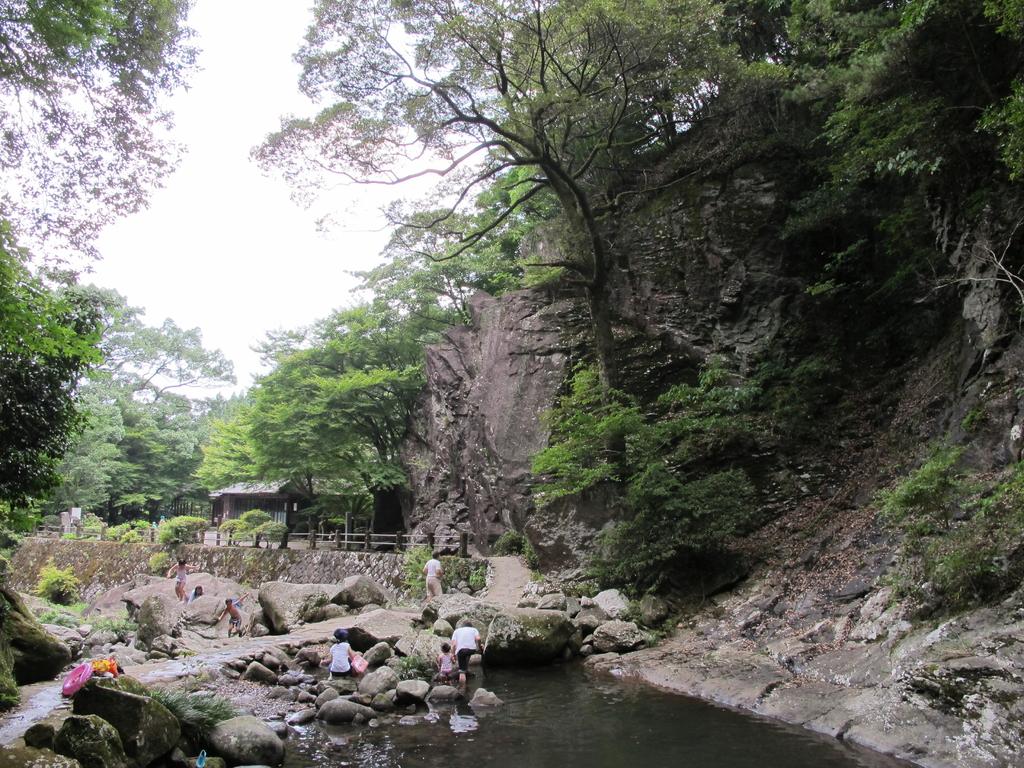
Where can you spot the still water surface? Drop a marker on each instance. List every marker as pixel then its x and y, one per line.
pixel 564 717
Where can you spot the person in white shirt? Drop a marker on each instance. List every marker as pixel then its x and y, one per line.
pixel 434 572
pixel 340 663
pixel 466 642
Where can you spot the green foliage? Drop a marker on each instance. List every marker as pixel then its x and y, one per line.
pixel 59 617
pixel 58 585
pixel 198 712
pixel 414 668
pixel 47 340
pixel 183 529
pixel 1006 121
pixel 159 563
pixel 413 560
pixel 130 532
pixel 122 627
pixel 457 569
pixel 675 507
pixel 924 500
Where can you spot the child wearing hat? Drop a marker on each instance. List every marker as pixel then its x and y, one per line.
pixel 341 655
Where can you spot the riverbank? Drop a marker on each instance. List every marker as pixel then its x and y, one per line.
pixel 942 695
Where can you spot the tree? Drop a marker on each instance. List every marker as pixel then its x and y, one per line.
pixel 80 121
pixel 332 415
pixel 140 449
pixel 47 341
pixel 576 92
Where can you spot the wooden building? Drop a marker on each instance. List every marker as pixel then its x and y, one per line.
pixel 276 499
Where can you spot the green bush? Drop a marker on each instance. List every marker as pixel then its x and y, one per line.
pixel 181 530
pixel 414 668
pixel 473 572
pixel 59 617
pixel 122 627
pixel 159 563
pixel 130 532
pixel 58 585
pixel 924 500
pixel 413 560
pixel 197 712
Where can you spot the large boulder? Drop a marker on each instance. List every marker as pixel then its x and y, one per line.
pixel 156 617
pixel 32 653
pixel 379 681
pixel 653 610
pixel 70 637
pixel 147 728
pixel 452 608
pixel 258 673
pixel 91 741
pixel 379 626
pixel 358 591
pixel 411 692
pixel 286 605
pixel 378 654
pixel 612 602
pixel 246 740
pixel 527 636
pixel 20 757
pixel 339 711
pixel 425 645
pixel 590 618
pixel 617 637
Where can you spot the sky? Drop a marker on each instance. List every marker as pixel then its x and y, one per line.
pixel 222 247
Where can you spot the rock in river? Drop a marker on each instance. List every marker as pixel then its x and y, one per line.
pixel 146 727
pixel 246 740
pixel 527 636
pixel 92 741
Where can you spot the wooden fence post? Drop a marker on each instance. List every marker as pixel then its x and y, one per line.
pixel 217 538
pixel 103 533
pixel 464 544
pixel 430 542
pixel 398 540
pixel 366 540
pixel 312 539
pixel 284 540
pixel 337 538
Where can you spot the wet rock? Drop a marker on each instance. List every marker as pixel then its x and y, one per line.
pixel 424 645
pixel 341 711
pixel 40 736
pixel 617 637
pixel 156 617
pixel 246 740
pixel 146 727
pixel 288 680
pixel 308 657
pixel 378 654
pixel 92 741
pixel 329 694
pixel 411 692
pixel 24 757
pixel 484 698
pixel 527 636
pixel 382 702
pixel 383 679
pixel 453 608
pixel 302 717
pixel 35 654
pixel 443 693
pixel 258 673
pixel 279 728
pixel 67 636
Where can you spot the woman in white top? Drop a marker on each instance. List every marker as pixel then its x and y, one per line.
pixel 340 663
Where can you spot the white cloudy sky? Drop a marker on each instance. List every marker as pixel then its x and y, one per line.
pixel 222 246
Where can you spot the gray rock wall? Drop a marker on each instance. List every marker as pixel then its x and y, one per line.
pixel 103 565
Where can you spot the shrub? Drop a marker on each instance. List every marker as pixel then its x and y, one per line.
pixel 59 617
pixel 182 529
pixel 414 668
pixel 130 532
pixel 159 563
pixel 926 497
pixel 198 713
pixel 413 561
pixel 122 627
pixel 58 585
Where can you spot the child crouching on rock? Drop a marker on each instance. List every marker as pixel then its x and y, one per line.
pixel 446 672
pixel 342 656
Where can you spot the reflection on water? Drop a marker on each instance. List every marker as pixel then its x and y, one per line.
pixel 562 717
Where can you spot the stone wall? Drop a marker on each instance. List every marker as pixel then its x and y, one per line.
pixel 102 565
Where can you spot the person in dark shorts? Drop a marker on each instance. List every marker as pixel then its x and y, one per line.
pixel 466 642
pixel 231 606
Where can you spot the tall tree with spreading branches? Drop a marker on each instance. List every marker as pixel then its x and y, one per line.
pixel 473 92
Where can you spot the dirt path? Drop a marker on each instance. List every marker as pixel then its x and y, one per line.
pixel 509 578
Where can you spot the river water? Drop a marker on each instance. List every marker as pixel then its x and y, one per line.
pixel 565 717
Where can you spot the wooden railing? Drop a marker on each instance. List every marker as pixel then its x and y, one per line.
pixel 360 541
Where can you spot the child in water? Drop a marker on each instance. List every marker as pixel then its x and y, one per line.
pixel 231 606
pixel 446 665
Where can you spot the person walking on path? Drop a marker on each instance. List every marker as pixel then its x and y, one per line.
pixel 466 642
pixel 434 572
